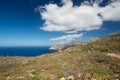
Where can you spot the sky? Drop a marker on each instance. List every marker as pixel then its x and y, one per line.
pixel 47 22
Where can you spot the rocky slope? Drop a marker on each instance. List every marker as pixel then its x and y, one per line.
pixel 65 46
pixel 87 62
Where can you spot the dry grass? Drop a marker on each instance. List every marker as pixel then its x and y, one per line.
pixel 89 61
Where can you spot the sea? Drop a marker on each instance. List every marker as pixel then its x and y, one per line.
pixel 25 51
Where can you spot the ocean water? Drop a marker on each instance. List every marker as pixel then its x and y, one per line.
pixel 24 51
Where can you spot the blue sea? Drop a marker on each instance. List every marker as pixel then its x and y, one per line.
pixel 24 51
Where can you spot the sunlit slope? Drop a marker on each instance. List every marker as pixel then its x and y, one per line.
pixel 84 62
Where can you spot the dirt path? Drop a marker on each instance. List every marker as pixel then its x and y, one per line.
pixel 113 55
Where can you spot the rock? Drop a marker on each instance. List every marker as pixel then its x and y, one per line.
pixel 30 73
pixel 20 77
pixel 57 47
pixel 7 78
pixel 87 76
pixel 116 75
pixel 79 75
pixel 65 46
pixel 71 77
pixel 62 78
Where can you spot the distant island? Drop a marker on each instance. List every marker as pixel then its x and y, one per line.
pixel 98 59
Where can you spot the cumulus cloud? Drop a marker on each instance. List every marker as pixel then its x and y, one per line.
pixel 70 18
pixel 85 17
pixel 67 38
pixel 111 12
pixel 89 15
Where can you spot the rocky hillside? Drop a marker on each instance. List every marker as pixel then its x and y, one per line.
pixel 65 46
pixel 87 62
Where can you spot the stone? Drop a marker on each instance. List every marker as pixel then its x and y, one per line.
pixel 7 78
pixel 62 78
pixel 79 75
pixel 71 77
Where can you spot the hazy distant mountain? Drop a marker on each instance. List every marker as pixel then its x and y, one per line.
pixel 65 46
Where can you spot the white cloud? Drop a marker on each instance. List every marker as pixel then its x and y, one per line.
pixel 78 18
pixel 67 38
pixel 112 11
pixel 71 19
pixel 68 18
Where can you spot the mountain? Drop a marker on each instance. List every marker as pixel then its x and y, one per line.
pixel 57 47
pixel 95 60
pixel 65 46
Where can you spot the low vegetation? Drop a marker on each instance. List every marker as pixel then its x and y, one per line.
pixel 86 62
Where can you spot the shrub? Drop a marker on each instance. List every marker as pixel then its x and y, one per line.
pixel 102 74
pixel 47 78
pixel 32 78
pixel 60 74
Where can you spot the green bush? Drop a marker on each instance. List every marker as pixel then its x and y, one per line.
pixel 60 74
pixel 102 74
pixel 46 78
pixel 32 78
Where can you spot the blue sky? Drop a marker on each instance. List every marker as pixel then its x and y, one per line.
pixel 20 24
